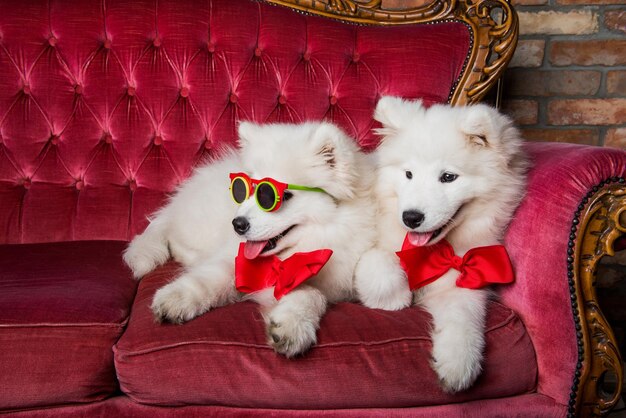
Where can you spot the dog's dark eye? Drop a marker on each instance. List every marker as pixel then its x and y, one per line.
pixel 448 177
pixel 287 195
pixel 408 174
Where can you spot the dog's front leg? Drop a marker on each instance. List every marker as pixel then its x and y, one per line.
pixel 457 334
pixel 380 282
pixel 202 287
pixel 293 322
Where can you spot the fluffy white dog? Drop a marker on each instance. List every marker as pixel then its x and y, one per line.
pixel 196 228
pixel 442 173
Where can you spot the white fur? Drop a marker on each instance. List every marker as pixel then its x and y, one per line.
pixel 483 148
pixel 196 227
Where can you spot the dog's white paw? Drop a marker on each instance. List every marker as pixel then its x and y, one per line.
pixel 143 256
pixel 290 335
pixel 138 262
pixel 456 366
pixel 177 303
pixel 381 283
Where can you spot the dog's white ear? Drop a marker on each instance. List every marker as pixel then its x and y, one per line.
pixel 394 113
pixel 480 125
pixel 335 153
pixel 246 130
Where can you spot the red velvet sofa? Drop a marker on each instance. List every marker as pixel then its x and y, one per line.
pixel 107 105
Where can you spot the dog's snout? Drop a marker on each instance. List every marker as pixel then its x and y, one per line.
pixel 241 225
pixel 412 218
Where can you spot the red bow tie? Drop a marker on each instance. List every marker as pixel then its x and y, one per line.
pixel 285 275
pixel 479 267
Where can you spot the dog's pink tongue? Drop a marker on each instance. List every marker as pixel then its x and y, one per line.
pixel 252 249
pixel 419 240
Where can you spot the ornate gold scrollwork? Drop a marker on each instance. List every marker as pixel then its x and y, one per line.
pixel 601 223
pixel 494 45
pixel 371 12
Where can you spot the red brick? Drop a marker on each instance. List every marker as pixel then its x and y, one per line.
pixel 523 112
pixel 529 53
pixel 551 22
pixel 590 2
pixel 615 138
pixel 574 136
pixel 587 112
pixel 615 20
pixel 523 82
pixel 529 2
pixel 606 52
pixel 616 83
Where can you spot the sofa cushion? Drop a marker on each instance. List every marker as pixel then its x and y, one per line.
pixel 62 307
pixel 364 358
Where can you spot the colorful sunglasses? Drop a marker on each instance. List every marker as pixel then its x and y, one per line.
pixel 268 192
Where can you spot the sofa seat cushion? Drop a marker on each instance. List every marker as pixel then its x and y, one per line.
pixel 364 358
pixel 62 307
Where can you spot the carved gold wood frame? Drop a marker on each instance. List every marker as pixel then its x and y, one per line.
pixel 601 220
pixel 493 43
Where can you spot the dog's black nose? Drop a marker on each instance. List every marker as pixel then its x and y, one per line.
pixel 241 225
pixel 412 218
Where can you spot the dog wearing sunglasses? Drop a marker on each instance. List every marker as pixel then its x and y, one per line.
pixel 294 188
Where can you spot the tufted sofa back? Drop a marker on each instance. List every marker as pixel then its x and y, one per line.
pixel 107 105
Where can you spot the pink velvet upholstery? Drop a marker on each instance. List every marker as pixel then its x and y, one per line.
pixel 107 105
pixel 523 406
pixel 363 358
pixel 62 307
pixel 562 176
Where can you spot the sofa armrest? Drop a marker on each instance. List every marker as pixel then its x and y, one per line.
pixel 568 220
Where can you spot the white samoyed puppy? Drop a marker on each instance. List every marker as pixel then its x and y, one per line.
pixel 202 227
pixel 453 173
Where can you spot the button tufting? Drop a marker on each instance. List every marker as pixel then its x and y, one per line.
pixel 156 42
pixel 184 92
pixel 26 89
pixel 130 91
pixel 207 144
pixel 158 140
pixel 52 41
pixel 282 99
pixel 257 52
pixel 211 48
pixel 356 57
pixel 333 100
pixel 306 56
pixel 79 185
pixel 132 184
pixel 106 44
pixel 233 98
pixel 78 89
pixel 107 138
pixel 54 139
pixel 26 183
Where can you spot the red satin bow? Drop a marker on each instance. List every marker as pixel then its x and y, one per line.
pixel 479 267
pixel 285 275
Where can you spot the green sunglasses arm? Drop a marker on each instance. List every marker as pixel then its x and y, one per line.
pixel 305 188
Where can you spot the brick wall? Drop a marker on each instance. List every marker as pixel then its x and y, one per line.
pixel 567 80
